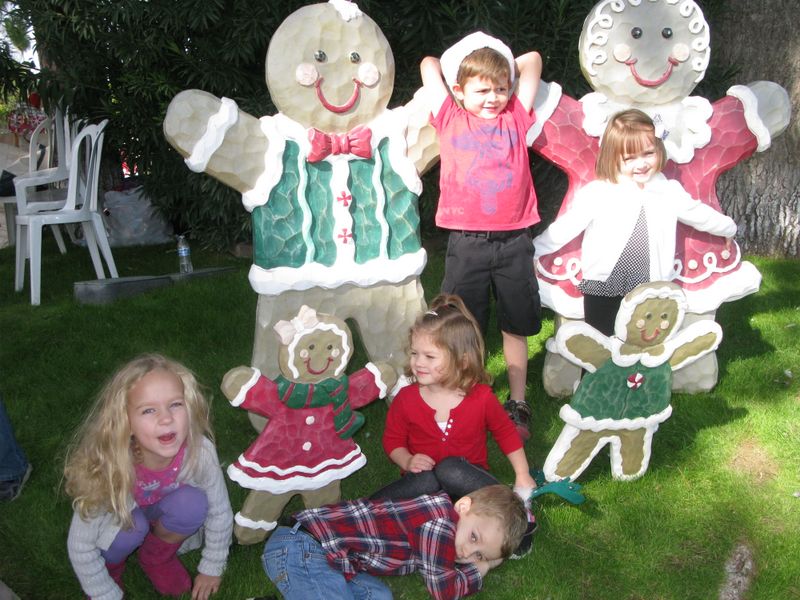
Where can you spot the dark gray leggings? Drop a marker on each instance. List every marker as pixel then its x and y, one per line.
pixel 454 475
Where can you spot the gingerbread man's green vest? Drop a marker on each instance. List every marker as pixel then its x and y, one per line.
pixel 285 236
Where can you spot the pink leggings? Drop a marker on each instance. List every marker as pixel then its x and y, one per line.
pixel 182 511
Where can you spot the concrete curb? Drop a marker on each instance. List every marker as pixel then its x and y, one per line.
pixel 105 291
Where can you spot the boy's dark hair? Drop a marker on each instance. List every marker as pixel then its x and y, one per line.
pixel 484 63
pixel 501 503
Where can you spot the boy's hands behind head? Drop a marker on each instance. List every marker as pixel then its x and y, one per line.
pixel 530 72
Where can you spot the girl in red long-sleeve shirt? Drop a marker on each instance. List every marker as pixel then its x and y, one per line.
pixel 436 427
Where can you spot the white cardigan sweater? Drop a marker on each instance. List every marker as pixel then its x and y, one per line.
pixel 87 538
pixel 607 213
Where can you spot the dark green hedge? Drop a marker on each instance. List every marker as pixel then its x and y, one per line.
pixel 125 59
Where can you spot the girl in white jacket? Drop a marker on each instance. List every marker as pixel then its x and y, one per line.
pixel 143 474
pixel 628 216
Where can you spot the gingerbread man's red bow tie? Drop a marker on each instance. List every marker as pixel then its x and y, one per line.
pixel 356 141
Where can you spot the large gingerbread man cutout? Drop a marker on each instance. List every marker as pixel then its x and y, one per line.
pixel 650 54
pixel 331 180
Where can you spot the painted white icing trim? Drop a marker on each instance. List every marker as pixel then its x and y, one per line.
pixel 211 140
pixel 598 24
pixel 402 381
pixel 733 286
pixel 305 479
pixel 382 388
pixel 754 122
pixel 347 10
pixel 243 521
pixel 544 105
pixel 270 176
pixel 570 432
pixel 568 330
pixel 240 397
pixel 272 282
pixel 278 129
pixel 394 124
pixel 380 207
pixel 554 298
pixel 570 272
pixel 710 262
pixel 572 417
pixel 695 330
pixel 295 469
pixel 671 345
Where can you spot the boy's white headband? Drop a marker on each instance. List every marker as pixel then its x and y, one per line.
pixel 455 54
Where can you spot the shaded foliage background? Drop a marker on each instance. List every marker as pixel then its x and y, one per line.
pixel 124 60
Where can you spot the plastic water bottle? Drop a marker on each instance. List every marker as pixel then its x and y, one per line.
pixel 184 255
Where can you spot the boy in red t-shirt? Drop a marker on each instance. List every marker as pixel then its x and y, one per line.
pixel 486 197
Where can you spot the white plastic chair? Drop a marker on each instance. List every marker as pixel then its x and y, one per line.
pixel 79 204
pixel 54 134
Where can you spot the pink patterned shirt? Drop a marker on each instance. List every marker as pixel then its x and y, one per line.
pixel 152 486
pixel 485 179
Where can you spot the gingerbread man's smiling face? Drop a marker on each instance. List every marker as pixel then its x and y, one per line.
pixel 329 66
pixel 645 51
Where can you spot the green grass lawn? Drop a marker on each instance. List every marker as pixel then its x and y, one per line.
pixel 724 472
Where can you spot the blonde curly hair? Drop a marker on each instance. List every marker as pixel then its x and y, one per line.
pixel 99 467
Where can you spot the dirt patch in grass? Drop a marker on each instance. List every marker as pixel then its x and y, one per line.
pixel 739 571
pixel 754 461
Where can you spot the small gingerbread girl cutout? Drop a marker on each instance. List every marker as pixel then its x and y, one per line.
pixel 626 393
pixel 306 447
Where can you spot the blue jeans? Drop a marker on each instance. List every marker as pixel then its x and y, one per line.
pixel 295 562
pixel 13 463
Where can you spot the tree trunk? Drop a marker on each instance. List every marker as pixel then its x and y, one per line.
pixel 762 194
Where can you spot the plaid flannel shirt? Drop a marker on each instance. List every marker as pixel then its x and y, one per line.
pixel 386 537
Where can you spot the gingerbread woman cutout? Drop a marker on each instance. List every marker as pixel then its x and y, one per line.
pixel 650 55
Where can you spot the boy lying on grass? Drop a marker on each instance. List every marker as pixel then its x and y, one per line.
pixel 334 551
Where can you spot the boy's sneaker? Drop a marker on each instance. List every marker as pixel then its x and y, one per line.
pixel 10 490
pixel 526 544
pixel 520 414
